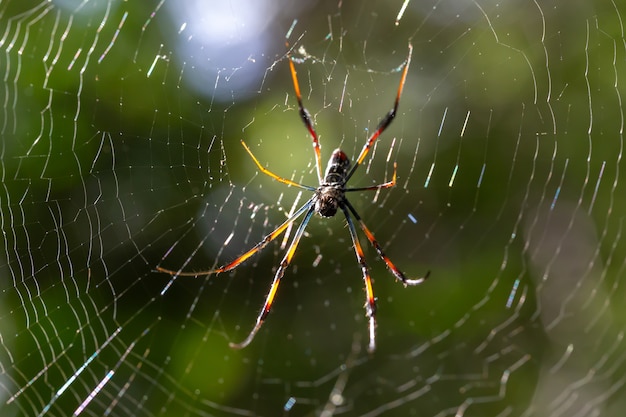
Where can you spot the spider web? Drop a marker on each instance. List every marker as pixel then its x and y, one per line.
pixel 121 125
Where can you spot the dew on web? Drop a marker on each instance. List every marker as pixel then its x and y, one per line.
pixel 121 158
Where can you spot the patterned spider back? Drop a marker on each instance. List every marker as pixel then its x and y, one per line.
pixel 337 169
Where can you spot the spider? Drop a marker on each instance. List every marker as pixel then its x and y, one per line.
pixel 328 197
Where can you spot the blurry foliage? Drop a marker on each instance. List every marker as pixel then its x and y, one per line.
pixel 120 166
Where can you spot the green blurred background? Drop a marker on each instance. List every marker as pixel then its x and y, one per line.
pixel 121 125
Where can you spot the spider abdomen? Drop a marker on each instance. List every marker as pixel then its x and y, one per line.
pixel 337 168
pixel 331 192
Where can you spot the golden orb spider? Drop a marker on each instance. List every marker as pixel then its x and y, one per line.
pixel 327 198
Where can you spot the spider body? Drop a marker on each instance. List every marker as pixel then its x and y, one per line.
pixel 331 193
pixel 328 197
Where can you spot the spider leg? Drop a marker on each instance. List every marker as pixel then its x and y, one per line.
pixel 279 274
pixel 271 174
pixel 370 236
pixel 306 118
pixel 388 184
pixel 386 121
pixel 370 300
pixel 258 247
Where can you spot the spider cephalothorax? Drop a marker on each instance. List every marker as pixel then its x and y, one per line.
pixel 328 197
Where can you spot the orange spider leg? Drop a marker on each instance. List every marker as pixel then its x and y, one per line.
pixel 388 184
pixel 306 118
pixel 370 236
pixel 271 174
pixel 370 300
pixel 240 259
pixel 279 274
pixel 386 121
